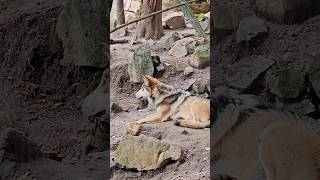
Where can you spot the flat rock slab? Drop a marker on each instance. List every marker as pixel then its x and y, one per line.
pixel 242 75
pixel 145 153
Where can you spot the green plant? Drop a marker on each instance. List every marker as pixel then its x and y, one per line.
pixel 200 17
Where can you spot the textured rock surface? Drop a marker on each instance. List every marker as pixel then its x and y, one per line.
pixel 82 27
pixel 183 47
pixel 228 17
pixel 175 22
pixel 243 74
pixel 286 83
pixel 145 153
pixel 288 11
pixel 142 64
pixel 201 57
pixel 199 87
pixel 250 28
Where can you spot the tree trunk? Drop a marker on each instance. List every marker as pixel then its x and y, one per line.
pixel 117 14
pixel 150 28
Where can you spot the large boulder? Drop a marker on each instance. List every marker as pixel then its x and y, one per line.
pixel 145 153
pixel 288 11
pixel 243 74
pixel 250 29
pixel 142 64
pixel 228 17
pixel 82 27
pixel 175 22
pixel 286 83
pixel 201 57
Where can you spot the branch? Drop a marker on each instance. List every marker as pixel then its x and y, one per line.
pixel 149 15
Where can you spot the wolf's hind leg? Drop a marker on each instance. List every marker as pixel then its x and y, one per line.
pixel 191 124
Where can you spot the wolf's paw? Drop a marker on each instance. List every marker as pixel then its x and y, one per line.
pixel 134 128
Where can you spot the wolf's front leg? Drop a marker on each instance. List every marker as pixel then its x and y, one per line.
pixel 156 118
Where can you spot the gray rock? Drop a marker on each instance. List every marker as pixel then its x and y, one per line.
pixel 286 83
pixel 188 71
pixel 243 74
pixel 180 67
pixel 186 84
pixel 145 153
pixel 115 108
pixel 98 100
pixel 228 17
pixel 142 64
pixel 205 25
pixel 82 27
pixel 175 22
pixel 169 39
pixel 201 57
pixel 288 11
pixel 304 107
pixel 183 47
pixel 314 74
pixel 199 87
pixel 250 28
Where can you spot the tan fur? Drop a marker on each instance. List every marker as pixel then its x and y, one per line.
pixel 289 152
pixel 188 111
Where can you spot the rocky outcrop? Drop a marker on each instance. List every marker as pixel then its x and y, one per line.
pixel 142 64
pixel 201 57
pixel 288 11
pixel 250 29
pixel 286 83
pixel 242 75
pixel 183 47
pixel 82 27
pixel 145 153
pixel 228 17
pixel 175 22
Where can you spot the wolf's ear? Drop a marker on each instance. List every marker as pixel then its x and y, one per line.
pixel 149 81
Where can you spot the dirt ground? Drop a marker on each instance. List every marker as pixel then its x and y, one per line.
pixel 194 142
pixel 40 98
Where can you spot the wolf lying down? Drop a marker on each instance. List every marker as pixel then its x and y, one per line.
pixel 175 104
pixel 251 140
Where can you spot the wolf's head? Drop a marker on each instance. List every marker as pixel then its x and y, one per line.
pixel 152 88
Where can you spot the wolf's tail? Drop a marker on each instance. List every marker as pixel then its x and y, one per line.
pixel 192 124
